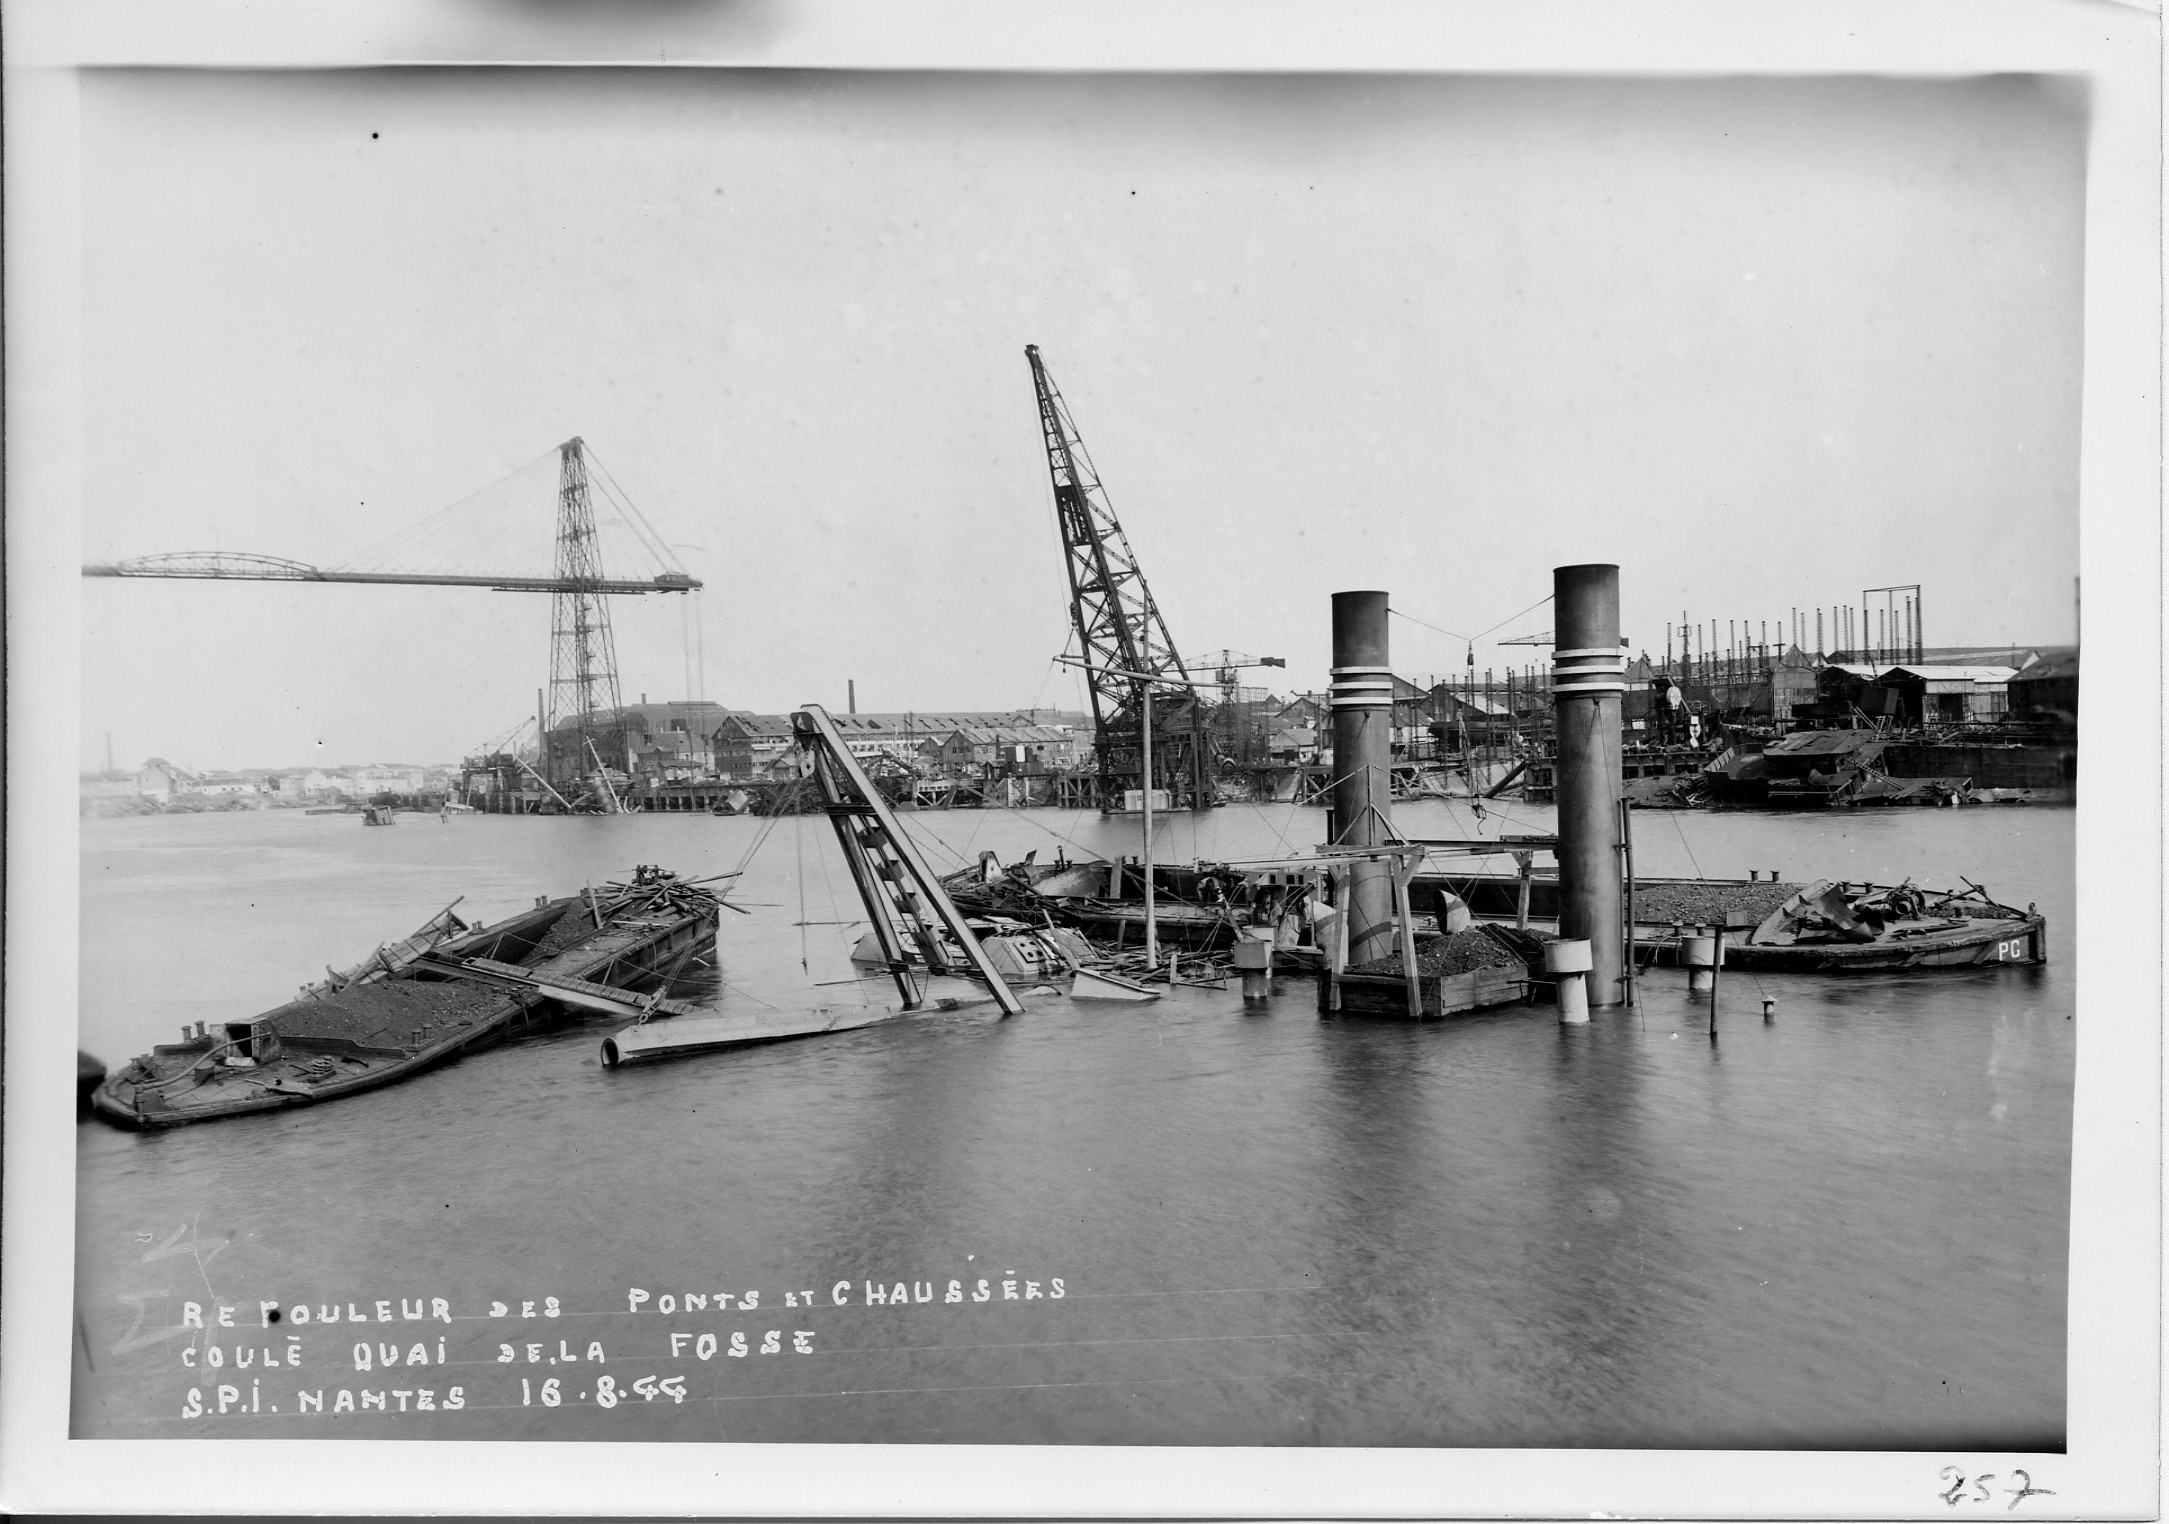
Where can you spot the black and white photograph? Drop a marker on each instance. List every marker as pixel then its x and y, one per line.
pixel 1290 774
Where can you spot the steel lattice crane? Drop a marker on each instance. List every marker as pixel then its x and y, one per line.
pixel 1121 636
pixel 1226 664
pixel 1227 667
pixel 583 653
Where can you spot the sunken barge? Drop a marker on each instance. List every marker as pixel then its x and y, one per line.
pixel 450 989
pixel 1821 927
pixel 1769 926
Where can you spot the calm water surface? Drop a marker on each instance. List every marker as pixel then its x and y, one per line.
pixel 1846 1227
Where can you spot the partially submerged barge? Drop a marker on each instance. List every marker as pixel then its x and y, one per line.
pixel 1820 926
pixel 448 990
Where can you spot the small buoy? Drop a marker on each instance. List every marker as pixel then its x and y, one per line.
pixel 1768 1007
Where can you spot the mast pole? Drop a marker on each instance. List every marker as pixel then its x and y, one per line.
pixel 1152 937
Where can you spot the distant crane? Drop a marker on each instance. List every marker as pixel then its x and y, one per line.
pixel 1227 667
pixel 1226 664
pixel 1120 633
pixel 583 653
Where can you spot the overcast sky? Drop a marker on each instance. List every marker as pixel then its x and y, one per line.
pixel 1763 343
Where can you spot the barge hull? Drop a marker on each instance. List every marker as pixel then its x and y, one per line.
pixel 1986 944
pixel 623 952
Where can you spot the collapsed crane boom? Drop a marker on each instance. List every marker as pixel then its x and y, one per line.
pixel 894 882
pixel 1120 633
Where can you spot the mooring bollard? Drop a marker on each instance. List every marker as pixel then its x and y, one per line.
pixel 1698 953
pixel 1254 960
pixel 1570 959
pixel 1768 1006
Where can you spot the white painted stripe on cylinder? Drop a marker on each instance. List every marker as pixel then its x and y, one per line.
pixel 1615 652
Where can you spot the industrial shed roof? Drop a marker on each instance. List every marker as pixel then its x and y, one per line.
pixel 1976 675
pixel 2046 668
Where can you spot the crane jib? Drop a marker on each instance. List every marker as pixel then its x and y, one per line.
pixel 1119 629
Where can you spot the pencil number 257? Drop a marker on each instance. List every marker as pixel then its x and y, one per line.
pixel 1964 1489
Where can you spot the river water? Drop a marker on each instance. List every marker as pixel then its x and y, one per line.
pixel 1179 1223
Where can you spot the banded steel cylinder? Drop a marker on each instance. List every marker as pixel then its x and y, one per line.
pixel 1588 678
pixel 1699 954
pixel 1254 961
pixel 1361 697
pixel 1570 960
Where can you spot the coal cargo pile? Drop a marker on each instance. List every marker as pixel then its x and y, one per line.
pixel 1461 953
pixel 1706 903
pixel 361 1009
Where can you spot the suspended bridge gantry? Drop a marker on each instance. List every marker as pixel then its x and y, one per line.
pixel 583 689
pixel 240 566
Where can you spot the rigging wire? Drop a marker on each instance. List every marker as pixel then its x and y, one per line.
pixel 828 887
pixel 1259 811
pixel 920 839
pixel 422 545
pixel 700 643
pixel 1682 831
pixel 1480 634
pixel 635 519
pixel 798 838
pixel 685 641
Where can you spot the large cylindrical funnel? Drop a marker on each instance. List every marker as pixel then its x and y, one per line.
pixel 1588 678
pixel 1361 695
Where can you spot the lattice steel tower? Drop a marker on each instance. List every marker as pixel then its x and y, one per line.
pixel 583 657
pixel 1119 629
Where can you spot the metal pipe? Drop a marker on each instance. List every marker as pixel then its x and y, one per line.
pixel 1152 935
pixel 1717 961
pixel 1626 854
pixel 1588 681
pixel 1361 696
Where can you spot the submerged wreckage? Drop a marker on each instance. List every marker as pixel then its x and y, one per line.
pixel 937 958
pixel 1821 926
pixel 449 989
